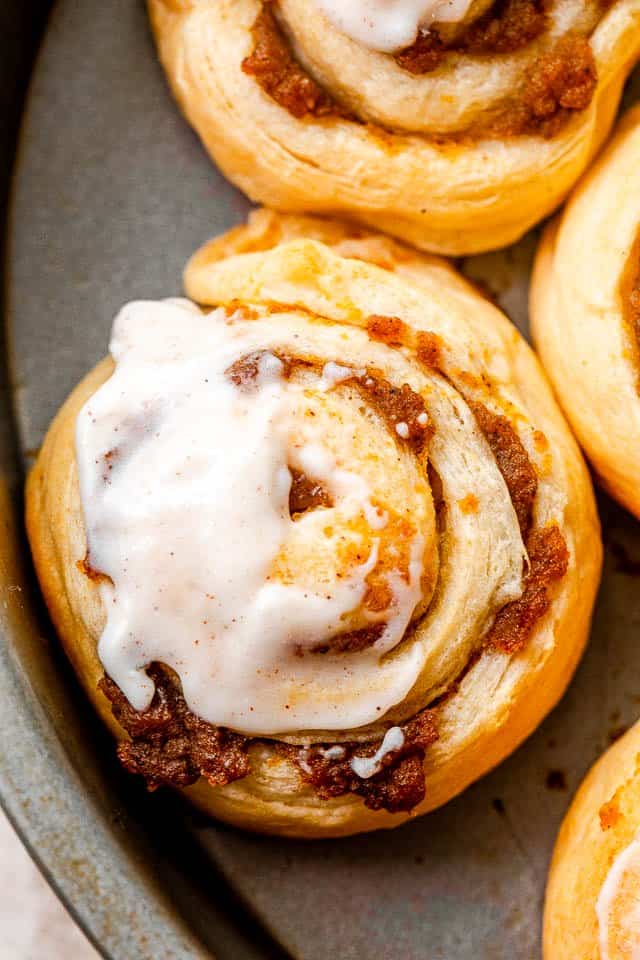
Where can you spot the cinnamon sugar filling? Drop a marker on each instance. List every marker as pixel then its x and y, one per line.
pixel 560 82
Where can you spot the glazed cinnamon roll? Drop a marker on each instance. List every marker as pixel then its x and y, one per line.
pixel 454 126
pixel 585 308
pixel 321 548
pixel 594 884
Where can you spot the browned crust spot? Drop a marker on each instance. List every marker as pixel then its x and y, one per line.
pixel 548 563
pixel 280 75
pixel 469 504
pixel 609 814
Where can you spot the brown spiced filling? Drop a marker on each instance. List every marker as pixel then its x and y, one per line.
pixel 548 563
pixel 401 407
pixel 279 73
pixel 306 494
pixel 512 459
pixel 400 784
pixel 170 745
pixel 546 548
pixel 508 26
pixel 560 82
pixel 353 641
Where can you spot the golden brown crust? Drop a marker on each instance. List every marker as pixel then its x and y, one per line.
pixel 585 306
pixel 486 702
pixel 299 116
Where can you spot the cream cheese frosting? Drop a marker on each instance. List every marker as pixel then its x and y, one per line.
pixel 185 478
pixel 390 25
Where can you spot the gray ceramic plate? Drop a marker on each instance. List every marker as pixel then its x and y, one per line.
pixel 112 193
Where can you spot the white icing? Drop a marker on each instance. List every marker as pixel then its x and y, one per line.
pixel 402 429
pixel 303 760
pixel 332 753
pixel 270 369
pixel 334 373
pixel 624 870
pixel 365 767
pixel 184 482
pixel 422 419
pixel 336 752
pixel 390 25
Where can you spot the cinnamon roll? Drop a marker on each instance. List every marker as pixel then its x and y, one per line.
pixel 454 126
pixel 317 540
pixel 585 308
pixel 594 883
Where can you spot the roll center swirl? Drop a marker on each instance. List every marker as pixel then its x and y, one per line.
pixel 264 523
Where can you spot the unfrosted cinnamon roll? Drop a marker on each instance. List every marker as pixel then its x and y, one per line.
pixel 593 895
pixel 454 126
pixel 585 309
pixel 322 550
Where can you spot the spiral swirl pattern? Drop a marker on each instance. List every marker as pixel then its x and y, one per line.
pixel 444 144
pixel 476 537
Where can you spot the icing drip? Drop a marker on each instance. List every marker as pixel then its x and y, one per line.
pixel 365 767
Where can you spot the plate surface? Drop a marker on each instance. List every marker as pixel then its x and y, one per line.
pixel 113 193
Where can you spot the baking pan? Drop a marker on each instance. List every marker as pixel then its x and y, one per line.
pixel 112 192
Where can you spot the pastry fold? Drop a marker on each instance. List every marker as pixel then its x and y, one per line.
pixel 585 312
pixel 426 392
pixel 456 145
